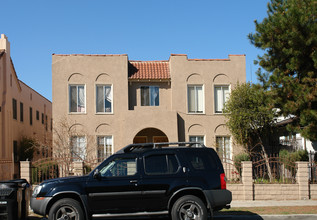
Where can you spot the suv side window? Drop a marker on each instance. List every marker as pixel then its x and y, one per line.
pixel 201 160
pixel 120 167
pixel 197 163
pixel 160 164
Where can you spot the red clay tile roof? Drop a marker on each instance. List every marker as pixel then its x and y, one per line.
pixel 147 70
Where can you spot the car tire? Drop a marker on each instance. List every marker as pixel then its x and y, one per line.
pixel 66 209
pixel 189 207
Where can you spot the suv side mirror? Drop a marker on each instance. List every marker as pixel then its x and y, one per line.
pixel 97 175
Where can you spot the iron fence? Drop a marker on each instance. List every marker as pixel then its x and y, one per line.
pixel 273 170
pixel 282 171
pixel 232 171
pixel 49 168
pixel 44 169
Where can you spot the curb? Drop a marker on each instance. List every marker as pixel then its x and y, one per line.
pixel 270 203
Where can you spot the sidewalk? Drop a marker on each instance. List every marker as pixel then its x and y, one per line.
pixel 269 203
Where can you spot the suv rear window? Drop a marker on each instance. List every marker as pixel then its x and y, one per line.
pixel 201 160
pixel 160 164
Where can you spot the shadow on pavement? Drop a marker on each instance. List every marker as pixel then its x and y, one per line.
pixel 224 215
pixel 36 218
pixel 126 218
pixel 237 215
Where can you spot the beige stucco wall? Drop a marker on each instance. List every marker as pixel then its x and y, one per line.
pixel 165 95
pixel 129 117
pixel 208 73
pixel 15 129
pixel 90 71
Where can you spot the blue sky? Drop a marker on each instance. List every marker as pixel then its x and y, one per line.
pixel 143 29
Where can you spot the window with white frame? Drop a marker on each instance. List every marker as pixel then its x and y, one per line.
pixel 104 98
pixel 150 96
pixel 195 95
pixel 104 145
pixel 77 100
pixel 222 94
pixel 197 139
pixel 78 150
pixel 223 148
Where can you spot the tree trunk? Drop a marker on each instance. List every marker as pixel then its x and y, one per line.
pixel 266 158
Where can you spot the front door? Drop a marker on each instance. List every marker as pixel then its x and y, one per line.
pixel 117 190
pixel 160 139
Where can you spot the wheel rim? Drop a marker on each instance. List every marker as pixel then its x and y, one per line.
pixel 66 213
pixel 190 211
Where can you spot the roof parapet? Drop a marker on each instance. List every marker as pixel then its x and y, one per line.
pixel 5 44
pixel 195 59
pixel 103 55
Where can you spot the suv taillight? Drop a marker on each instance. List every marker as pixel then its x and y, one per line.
pixel 223 181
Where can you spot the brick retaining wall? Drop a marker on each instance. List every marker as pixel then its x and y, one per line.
pixel 237 191
pixel 246 190
pixel 313 191
pixel 276 191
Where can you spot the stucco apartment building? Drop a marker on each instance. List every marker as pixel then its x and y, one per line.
pixel 110 101
pixel 23 113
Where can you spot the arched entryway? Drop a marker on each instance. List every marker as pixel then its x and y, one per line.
pixel 150 135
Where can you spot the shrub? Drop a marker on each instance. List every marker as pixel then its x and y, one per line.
pixel 284 156
pixel 87 169
pixel 289 158
pixel 45 170
pixel 238 159
pixel 27 147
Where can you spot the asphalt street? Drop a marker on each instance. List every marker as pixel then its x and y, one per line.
pixel 244 216
pixel 227 217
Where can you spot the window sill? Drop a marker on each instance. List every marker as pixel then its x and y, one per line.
pixel 220 113
pixel 104 113
pixel 149 106
pixel 193 113
pixel 77 113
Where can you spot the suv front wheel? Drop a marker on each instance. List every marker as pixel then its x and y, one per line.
pixel 189 208
pixel 68 209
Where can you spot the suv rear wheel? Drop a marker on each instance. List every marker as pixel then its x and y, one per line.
pixel 189 208
pixel 68 209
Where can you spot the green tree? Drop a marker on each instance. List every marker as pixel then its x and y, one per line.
pixel 288 35
pixel 250 118
pixel 27 148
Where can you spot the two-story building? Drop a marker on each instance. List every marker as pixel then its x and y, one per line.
pixel 109 101
pixel 24 113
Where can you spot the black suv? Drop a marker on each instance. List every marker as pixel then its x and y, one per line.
pixel 182 180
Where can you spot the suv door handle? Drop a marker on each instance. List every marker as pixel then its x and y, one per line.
pixel 133 181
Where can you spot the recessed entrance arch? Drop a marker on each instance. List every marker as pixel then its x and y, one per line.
pixel 150 135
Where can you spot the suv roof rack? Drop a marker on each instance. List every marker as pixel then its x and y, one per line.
pixel 132 147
